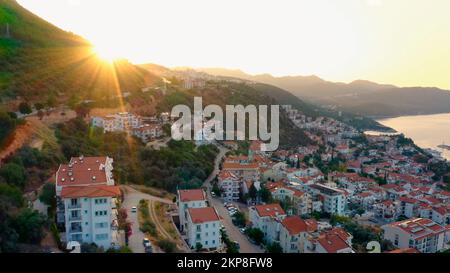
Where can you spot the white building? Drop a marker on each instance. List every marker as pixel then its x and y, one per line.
pixel 203 227
pixel 334 200
pixel 268 219
pixel 189 199
pixel 91 215
pixel 422 234
pixel 294 232
pixel 86 201
pixel 229 185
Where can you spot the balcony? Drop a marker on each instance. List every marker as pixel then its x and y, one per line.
pixel 76 229
pixel 74 206
pixel 75 218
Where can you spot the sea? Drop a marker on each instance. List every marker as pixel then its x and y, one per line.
pixel 427 131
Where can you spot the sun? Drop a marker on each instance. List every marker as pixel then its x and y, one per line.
pixel 105 53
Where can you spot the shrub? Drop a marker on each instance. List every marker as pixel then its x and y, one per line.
pixel 167 245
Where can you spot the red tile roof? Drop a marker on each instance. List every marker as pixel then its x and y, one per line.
pixel 191 195
pixel 271 210
pixel 295 225
pixel 203 215
pixel 239 166
pixel 404 250
pixel 332 243
pixel 90 191
pixel 82 171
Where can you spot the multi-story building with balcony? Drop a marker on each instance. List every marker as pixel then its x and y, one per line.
pixel 86 201
pixel 195 198
pixel 334 200
pixel 203 228
pixel 268 219
pixel 422 234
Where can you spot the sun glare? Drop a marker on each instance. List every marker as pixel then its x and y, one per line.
pixel 105 53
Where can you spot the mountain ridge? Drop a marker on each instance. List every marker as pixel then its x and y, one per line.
pixel 357 96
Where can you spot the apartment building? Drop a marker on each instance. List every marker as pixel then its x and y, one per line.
pixel 91 215
pixel 334 200
pixel 268 219
pixel 203 227
pixel 195 198
pixel 294 232
pixel 86 201
pixel 422 234
pixel 335 240
pixel 229 185
pixel 301 201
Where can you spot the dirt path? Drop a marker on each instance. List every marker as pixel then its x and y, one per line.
pixel 155 219
pixel 21 135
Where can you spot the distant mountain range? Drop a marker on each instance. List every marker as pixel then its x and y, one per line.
pixel 358 97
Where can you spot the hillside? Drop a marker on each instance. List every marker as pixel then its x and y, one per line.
pixel 278 95
pixel 39 60
pixel 359 97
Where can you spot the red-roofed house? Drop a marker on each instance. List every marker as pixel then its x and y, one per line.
pixel 301 201
pixel 268 219
pixel 195 198
pixel 203 227
pixel 86 201
pixel 422 234
pixel 294 232
pixel 332 241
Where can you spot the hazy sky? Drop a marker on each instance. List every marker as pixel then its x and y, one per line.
pixel 402 42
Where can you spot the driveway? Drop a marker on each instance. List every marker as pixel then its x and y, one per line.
pixel 131 199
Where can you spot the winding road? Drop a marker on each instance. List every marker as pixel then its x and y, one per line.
pixel 233 232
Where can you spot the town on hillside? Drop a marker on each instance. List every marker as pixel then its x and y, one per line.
pixel 338 195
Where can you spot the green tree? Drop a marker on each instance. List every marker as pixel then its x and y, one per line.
pixel 7 124
pixel 255 234
pixel 39 106
pixel 274 247
pixel 198 247
pixel 239 219
pixel 14 174
pixel 252 192
pixel 25 108
pixel 265 195
pixel 29 225
pixel 48 195
pixel 168 246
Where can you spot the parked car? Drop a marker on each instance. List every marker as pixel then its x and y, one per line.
pixel 226 204
pixel 213 194
pixel 146 243
pixel 149 249
pixel 238 246
pixel 242 230
pixel 134 209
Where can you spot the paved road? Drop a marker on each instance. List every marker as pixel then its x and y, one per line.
pixel 131 199
pixel 232 231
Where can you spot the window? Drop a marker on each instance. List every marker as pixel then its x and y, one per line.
pixel 102 236
pixel 197 237
pixel 101 213
pixel 206 225
pixel 214 242
pixel 86 223
pixel 100 201
pixel 206 243
pixel 101 225
pixel 199 228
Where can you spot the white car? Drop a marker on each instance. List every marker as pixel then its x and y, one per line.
pixel 134 209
